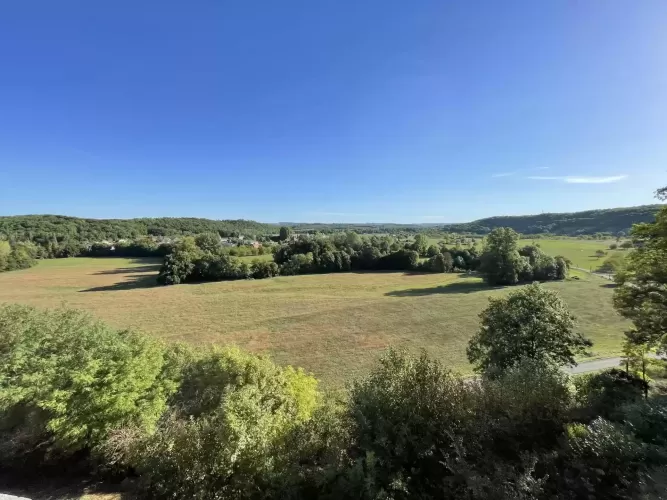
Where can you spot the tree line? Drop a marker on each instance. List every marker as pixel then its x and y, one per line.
pixel 208 423
pixel 193 261
pixel 501 262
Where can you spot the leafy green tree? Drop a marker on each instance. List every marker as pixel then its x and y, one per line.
pixel 285 233
pixel 68 381
pixel 642 292
pixel 432 251
pixel 600 253
pixel 227 435
pixel 637 350
pixel 501 261
pixel 208 242
pixel 448 262
pixel 5 251
pixel 530 323
pixel 420 244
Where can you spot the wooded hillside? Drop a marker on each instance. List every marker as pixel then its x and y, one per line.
pixel 30 227
pixel 610 220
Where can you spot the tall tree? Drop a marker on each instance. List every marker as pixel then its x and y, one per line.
pixel 642 292
pixel 421 244
pixel 531 323
pixel 285 233
pixel 501 261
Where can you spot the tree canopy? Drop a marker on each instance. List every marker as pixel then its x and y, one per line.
pixel 530 323
pixel 642 292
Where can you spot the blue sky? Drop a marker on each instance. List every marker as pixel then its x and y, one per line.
pixel 331 110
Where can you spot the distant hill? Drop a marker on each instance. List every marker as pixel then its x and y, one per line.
pixel 39 227
pixel 610 220
pixel 35 226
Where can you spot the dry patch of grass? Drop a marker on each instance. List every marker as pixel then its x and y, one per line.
pixel 334 325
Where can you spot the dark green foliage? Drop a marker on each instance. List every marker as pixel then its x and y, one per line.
pixel 503 263
pixel 260 269
pixel 530 323
pixel 642 292
pixel 436 264
pixel 600 460
pixel 603 394
pixel 590 222
pixel 285 233
pixel 19 255
pixel 649 421
pixel 421 432
pixel 36 227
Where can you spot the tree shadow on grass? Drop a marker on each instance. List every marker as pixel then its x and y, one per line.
pixel 465 287
pixel 143 281
pixel 129 270
pixel 609 285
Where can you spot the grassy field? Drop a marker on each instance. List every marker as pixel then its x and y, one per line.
pixel 250 258
pixel 580 252
pixel 334 325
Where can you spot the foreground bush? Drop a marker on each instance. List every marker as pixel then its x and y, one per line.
pixel 67 381
pixel 226 432
pixel 220 423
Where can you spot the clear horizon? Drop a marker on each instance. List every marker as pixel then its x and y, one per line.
pixel 331 112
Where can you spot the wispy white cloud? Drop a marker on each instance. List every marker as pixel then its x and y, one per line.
pixel 568 179
pixel 516 172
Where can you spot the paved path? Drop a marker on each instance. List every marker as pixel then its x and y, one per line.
pixel 606 276
pixel 594 365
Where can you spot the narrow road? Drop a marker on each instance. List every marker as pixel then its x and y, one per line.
pixel 594 365
pixel 606 276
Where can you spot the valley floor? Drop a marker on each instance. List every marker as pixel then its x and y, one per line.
pixel 334 325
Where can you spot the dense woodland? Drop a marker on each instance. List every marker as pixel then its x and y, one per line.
pixel 610 221
pixel 38 228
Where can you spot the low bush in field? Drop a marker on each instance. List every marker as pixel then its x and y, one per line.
pixel 14 256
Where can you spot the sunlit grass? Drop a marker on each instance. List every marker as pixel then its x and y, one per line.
pixel 334 325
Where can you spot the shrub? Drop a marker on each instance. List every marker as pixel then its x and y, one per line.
pixel 403 260
pixel 600 460
pixel 226 437
pixel 260 269
pixel 602 394
pixel 648 421
pixel 67 381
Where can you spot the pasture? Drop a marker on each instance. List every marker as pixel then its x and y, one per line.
pixel 334 325
pixel 580 252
